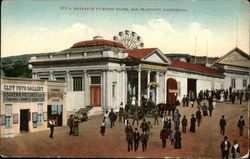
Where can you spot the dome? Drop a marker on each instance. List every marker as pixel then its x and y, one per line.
pixel 98 41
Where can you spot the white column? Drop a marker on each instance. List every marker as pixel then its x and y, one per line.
pixel 148 81
pixel 110 90
pixel 139 87
pixel 87 97
pixel 157 88
pixel 103 88
pixel 68 81
pixel 165 88
pixel 126 87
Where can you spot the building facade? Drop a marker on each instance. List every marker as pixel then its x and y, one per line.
pixel 236 67
pixel 26 105
pixel 103 74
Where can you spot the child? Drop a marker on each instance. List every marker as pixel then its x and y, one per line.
pixel 102 131
pixel 172 137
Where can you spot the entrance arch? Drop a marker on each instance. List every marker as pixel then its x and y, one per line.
pixel 172 90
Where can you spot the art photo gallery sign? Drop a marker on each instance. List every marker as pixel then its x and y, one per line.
pixel 23 93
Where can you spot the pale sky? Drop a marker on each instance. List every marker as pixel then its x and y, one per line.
pixel 42 26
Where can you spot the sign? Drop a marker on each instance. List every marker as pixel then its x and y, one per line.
pixel 23 97
pixel 34 117
pixel 15 118
pixel 22 88
pixel 154 83
pixel 45 116
pixel 55 93
pixel 2 119
pixel 154 66
pixel 8 133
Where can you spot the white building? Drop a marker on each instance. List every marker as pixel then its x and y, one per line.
pixel 236 67
pixel 103 74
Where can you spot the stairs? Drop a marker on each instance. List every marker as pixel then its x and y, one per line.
pixel 95 111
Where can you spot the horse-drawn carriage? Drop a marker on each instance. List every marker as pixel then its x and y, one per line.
pixel 149 108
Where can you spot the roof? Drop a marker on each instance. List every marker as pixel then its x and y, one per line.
pixel 139 53
pixel 98 42
pixel 230 52
pixel 195 68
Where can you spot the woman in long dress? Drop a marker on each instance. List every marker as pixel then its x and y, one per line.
pixel 75 127
pixel 214 102
pixel 150 128
pixel 177 138
pixel 192 126
pixel 106 119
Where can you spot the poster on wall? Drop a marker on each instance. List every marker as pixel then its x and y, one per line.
pixel 34 117
pixel 45 116
pixel 15 118
pixel 2 119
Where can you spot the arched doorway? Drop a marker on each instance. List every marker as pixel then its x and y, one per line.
pixel 172 90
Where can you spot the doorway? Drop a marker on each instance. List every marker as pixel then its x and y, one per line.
pixel 191 83
pixel 95 95
pixel 171 90
pixel 24 120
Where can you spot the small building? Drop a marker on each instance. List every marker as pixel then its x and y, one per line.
pixel 28 104
pixel 236 67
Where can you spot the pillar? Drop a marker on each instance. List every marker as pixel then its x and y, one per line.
pixel 157 88
pixel 139 87
pixel 148 81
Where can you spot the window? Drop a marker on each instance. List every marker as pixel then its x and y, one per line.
pixel 244 83
pixel 56 109
pixel 40 119
pixel 8 109
pixel 7 122
pixel 77 83
pixel 60 79
pixel 40 108
pixel 179 88
pixel 233 83
pixel 113 90
pixel 95 80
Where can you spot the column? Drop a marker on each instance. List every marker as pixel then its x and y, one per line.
pixel 103 89
pixel 139 87
pixel 68 81
pixel 148 81
pixel 86 86
pixel 165 88
pixel 126 87
pixel 157 88
pixel 51 77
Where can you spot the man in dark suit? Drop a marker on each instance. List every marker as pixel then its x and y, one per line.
pixel 225 147
pixel 241 124
pixel 164 135
pixel 222 125
pixel 136 139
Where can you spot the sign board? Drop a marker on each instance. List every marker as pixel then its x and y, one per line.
pixel 34 117
pixel 22 88
pixel 15 118
pixel 23 97
pixel 8 133
pixel 2 119
pixel 45 116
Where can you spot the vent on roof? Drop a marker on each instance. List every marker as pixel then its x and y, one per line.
pixel 97 38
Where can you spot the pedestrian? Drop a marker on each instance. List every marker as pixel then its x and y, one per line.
pixel 144 126
pixel 171 134
pixel 233 97
pixel 125 117
pixel 136 139
pixel 129 137
pixel 144 140
pixel 112 117
pixel 177 136
pixel 214 102
pixel 241 96
pixel 192 121
pixel 222 125
pixel 184 124
pixel 120 114
pixel 176 119
pixel 235 150
pixel 225 147
pixel 150 128
pixel 164 135
pixel 241 124
pixel 70 124
pixel 198 116
pixel 169 124
pixel 210 108
pixel 107 119
pixel 102 129
pixel 135 118
pixel 204 109
pixel 51 126
pixel 76 127
pixel 156 115
pixel 184 101
pixel 187 101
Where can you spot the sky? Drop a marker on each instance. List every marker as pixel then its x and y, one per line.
pixel 33 26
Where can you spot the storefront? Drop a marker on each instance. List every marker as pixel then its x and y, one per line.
pixel 24 105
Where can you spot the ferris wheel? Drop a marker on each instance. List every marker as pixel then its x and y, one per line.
pixel 130 39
